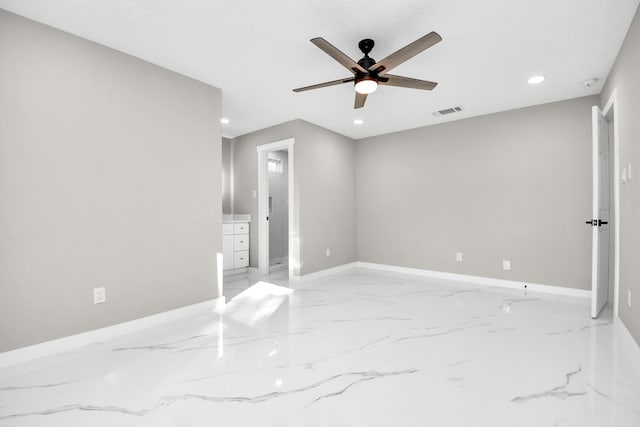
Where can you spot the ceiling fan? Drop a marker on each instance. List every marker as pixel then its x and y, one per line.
pixel 368 74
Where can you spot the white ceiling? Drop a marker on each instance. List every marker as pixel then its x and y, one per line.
pixel 257 51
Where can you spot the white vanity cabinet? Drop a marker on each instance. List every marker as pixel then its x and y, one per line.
pixel 235 243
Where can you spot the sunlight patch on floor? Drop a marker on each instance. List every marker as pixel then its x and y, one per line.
pixel 256 303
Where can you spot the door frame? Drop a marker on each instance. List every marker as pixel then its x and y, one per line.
pixel 263 203
pixel 610 112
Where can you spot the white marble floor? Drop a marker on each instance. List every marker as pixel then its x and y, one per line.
pixel 361 348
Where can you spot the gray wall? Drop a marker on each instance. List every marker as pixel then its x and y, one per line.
pixel 109 176
pixel 324 191
pixel 227 169
pixel 624 78
pixel 279 215
pixel 513 185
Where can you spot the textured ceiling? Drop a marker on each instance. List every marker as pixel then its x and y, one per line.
pixel 256 51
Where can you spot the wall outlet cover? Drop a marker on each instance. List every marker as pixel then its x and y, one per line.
pixel 99 295
pixel 328 252
pixel 459 256
pixel 506 264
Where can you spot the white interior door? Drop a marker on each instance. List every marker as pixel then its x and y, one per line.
pixel 600 214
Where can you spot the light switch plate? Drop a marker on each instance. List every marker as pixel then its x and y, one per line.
pixel 506 264
pixel 459 256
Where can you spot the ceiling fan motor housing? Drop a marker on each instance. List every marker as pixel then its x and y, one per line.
pixel 365 46
pixel 367 62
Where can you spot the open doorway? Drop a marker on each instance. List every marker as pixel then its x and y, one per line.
pixel 278 190
pixel 276 244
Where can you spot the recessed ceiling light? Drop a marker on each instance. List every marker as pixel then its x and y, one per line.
pixel 535 80
pixel 224 121
pixel 358 122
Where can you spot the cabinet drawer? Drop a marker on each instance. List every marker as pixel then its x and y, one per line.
pixel 241 242
pixel 227 229
pixel 240 259
pixel 242 228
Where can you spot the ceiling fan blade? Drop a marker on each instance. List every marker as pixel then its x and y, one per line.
pixel 401 81
pixel 325 84
pixel 336 54
pixel 407 52
pixel 360 99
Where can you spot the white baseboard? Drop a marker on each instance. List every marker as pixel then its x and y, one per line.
pixel 48 348
pixel 484 281
pixel 327 272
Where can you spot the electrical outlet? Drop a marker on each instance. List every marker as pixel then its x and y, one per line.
pixel 99 295
pixel 459 256
pixel 328 252
pixel 628 298
pixel 506 264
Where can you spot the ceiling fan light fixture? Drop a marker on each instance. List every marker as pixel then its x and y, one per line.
pixel 367 73
pixel 366 86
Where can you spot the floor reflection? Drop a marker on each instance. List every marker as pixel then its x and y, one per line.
pixel 256 303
